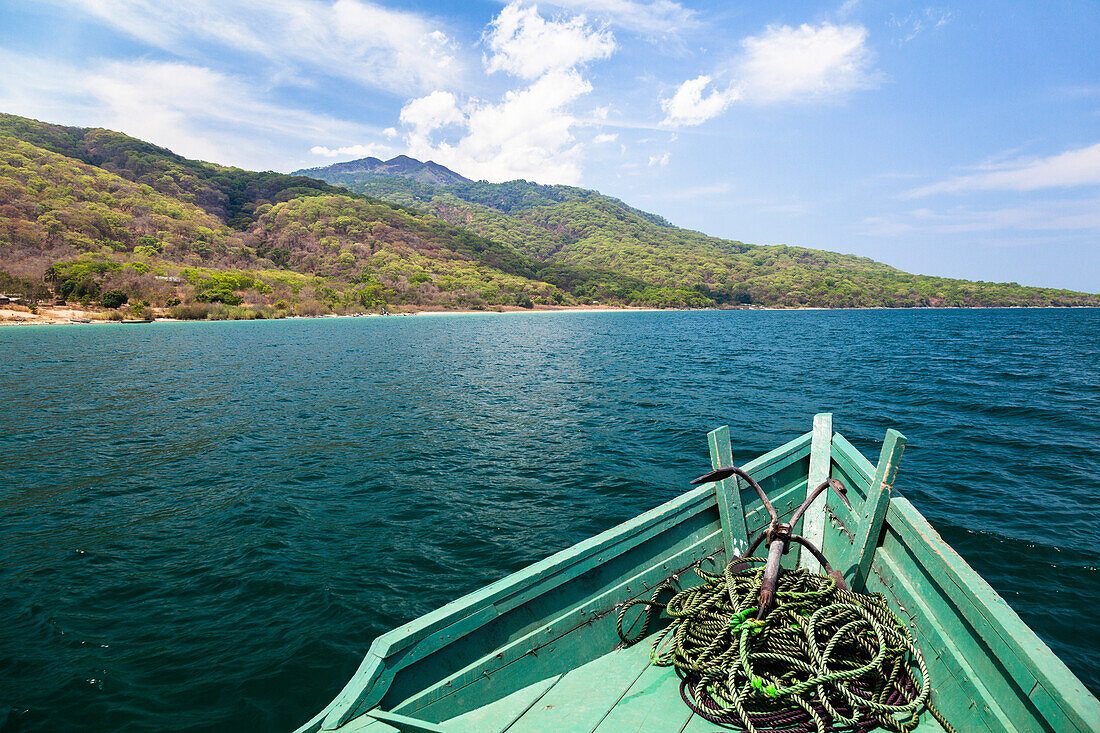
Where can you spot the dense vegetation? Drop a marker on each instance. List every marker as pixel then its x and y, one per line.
pixel 641 259
pixel 82 230
pixel 402 165
pixel 95 217
pixel 230 194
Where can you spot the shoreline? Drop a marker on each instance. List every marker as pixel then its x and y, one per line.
pixel 69 316
pixel 74 316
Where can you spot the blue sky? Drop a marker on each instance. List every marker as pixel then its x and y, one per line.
pixel 958 139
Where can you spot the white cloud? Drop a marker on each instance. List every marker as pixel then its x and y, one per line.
pixel 847 8
pixel 605 137
pixel 688 106
pixel 359 151
pixel 798 64
pixel 661 160
pixel 912 25
pixel 432 112
pixel 782 64
pixel 193 110
pixel 658 18
pixel 528 133
pixel 1080 167
pixel 525 135
pixel 360 41
pixel 525 44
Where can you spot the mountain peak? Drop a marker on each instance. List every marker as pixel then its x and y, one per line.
pixel 400 165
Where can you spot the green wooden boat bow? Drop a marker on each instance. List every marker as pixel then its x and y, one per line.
pixel 540 650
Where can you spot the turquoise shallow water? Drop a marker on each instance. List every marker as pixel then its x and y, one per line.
pixel 205 524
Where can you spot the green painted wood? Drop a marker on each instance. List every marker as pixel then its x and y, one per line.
pixel 847 465
pixel 430 632
pixel 367 724
pixel 490 659
pixel 366 687
pixel 813 523
pixel 767 466
pixel 501 714
pixel 735 536
pixel 959 688
pixel 1017 649
pixel 404 723
pixel 586 695
pixel 382 662
pixel 587 588
pixel 696 724
pixel 860 467
pixel 547 574
pixel 562 644
pixel 652 703
pixel 764 466
pixel 874 509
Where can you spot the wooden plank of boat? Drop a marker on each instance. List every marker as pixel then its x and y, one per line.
pixel 813 528
pixel 874 510
pixel 538 650
pixel 735 535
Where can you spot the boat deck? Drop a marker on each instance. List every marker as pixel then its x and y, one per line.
pixel 618 692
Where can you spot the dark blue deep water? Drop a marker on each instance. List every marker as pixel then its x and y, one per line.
pixel 204 525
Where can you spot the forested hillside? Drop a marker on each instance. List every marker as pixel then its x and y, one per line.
pixel 579 231
pixel 204 238
pixel 98 218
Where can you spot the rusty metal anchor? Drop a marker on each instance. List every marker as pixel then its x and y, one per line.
pixel 778 534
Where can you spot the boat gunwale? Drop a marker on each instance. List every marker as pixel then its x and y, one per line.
pixel 372 670
pixel 1050 692
pixel 602 605
pixel 1027 660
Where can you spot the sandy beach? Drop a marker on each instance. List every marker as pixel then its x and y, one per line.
pixel 19 315
pixel 69 315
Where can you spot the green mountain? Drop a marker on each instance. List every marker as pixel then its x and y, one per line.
pixel 599 247
pixel 402 165
pixel 83 212
pixel 94 216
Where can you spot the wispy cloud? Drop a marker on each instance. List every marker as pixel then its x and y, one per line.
pixel 782 64
pixel 358 151
pixel 658 18
pixel 193 110
pixel 1080 167
pixel 847 8
pixel 661 159
pixel 911 25
pixel 357 40
pixel 692 105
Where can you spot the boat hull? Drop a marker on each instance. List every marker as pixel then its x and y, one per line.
pixel 485 661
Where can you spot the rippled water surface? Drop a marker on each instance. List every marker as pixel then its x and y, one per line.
pixel 205 524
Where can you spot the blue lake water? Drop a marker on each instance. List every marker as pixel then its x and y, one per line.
pixel 204 525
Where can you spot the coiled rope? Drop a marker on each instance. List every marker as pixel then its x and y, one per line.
pixel 824 659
